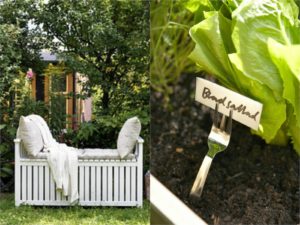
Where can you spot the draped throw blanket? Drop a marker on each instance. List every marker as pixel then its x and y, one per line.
pixel 62 160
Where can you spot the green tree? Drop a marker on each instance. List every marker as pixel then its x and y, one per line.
pixel 19 50
pixel 106 40
pixel 31 39
pixel 9 63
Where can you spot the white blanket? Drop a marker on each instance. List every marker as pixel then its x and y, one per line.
pixel 62 160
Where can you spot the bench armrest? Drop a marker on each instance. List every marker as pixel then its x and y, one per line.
pixel 140 140
pixel 17 140
pixel 138 147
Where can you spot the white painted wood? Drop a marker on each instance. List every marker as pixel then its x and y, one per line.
pixel 133 162
pixel 110 184
pixel 133 184
pixel 93 184
pixel 47 184
pixel 83 203
pixel 100 182
pixel 17 171
pixel 108 163
pixel 63 197
pixel 35 183
pixel 41 184
pixel 167 204
pixel 58 194
pixel 104 183
pixel 140 175
pixel 29 182
pixel 86 183
pixel 127 184
pixel 81 183
pixel 116 183
pixel 24 184
pixel 52 189
pixel 122 189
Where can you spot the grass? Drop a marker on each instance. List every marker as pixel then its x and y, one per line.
pixel 32 215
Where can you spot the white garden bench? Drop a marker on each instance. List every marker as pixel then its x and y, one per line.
pixel 102 181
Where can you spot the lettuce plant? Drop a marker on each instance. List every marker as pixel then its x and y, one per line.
pixel 253 47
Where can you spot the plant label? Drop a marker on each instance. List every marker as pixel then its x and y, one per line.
pixel 245 110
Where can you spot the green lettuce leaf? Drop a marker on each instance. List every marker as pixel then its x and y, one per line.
pixel 255 51
pixel 271 120
pixel 255 22
pixel 287 60
pixel 211 51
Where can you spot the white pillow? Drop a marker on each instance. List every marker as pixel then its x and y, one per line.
pixel 128 136
pixel 45 131
pixel 30 135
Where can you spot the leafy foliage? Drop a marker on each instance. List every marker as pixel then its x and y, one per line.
pixel 105 40
pixel 252 47
pixel 9 63
pixel 170 44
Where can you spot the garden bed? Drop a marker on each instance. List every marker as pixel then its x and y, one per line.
pixel 250 183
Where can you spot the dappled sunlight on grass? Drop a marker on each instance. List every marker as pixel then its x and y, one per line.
pixel 30 215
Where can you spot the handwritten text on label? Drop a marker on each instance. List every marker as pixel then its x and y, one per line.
pixel 245 110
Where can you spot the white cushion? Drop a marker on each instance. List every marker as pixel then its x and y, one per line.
pixel 30 135
pixel 128 136
pixel 94 154
pixel 45 131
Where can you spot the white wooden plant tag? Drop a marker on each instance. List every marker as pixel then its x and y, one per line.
pixel 245 110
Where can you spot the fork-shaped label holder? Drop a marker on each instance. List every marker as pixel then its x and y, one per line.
pixel 230 104
pixel 218 141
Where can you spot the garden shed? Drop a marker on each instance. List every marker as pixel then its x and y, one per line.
pixel 61 89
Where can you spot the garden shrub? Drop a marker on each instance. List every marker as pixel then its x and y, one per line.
pixel 103 132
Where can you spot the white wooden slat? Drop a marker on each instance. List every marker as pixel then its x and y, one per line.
pixel 35 183
pixel 17 172
pixel 41 183
pixel 98 183
pixel 63 197
pixel 116 183
pixel 121 186
pixel 81 183
pixel 52 189
pixel 104 183
pixel 140 176
pixel 47 183
pixel 86 183
pixel 24 183
pixel 93 185
pixel 128 181
pixel 133 183
pixel 109 184
pixel 58 195
pixel 29 183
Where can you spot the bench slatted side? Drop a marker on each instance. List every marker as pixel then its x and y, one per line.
pixel 100 182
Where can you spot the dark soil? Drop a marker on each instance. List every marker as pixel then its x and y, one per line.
pixel 249 183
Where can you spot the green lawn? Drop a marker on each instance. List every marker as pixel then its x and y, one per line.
pixel 30 215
